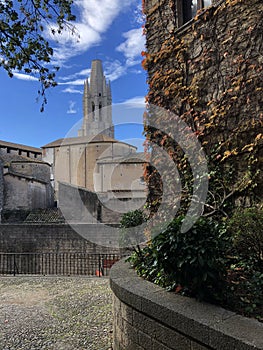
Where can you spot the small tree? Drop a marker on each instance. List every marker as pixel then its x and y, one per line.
pixel 22 44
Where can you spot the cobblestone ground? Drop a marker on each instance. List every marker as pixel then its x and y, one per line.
pixel 55 313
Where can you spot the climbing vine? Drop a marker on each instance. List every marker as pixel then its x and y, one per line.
pixel 211 75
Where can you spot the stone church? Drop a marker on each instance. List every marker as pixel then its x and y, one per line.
pixel 94 160
pixel 108 173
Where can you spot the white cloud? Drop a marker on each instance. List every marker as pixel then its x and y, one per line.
pixel 76 82
pixel 93 22
pixel 71 109
pixel 132 46
pixel 22 76
pixel 114 70
pixel 71 90
pixel 135 102
pixel 83 73
pixel 138 13
pixel 136 71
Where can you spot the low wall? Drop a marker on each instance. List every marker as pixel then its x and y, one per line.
pixel 148 317
pixel 58 238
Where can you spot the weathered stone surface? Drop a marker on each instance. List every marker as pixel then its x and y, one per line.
pixel 163 320
pixel 53 238
pixel 209 72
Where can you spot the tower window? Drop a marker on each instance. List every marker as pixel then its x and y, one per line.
pixel 93 110
pixel 100 116
pixel 99 94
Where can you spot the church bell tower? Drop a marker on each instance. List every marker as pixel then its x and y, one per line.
pixel 97 104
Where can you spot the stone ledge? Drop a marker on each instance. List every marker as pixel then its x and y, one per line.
pixel 208 326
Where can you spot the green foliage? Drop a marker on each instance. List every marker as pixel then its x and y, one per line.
pixel 218 261
pixel 22 44
pixel 246 227
pixel 244 292
pixel 131 232
pixel 245 275
pixel 191 262
pixel 133 218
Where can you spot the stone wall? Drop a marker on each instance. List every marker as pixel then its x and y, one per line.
pixel 54 238
pixel 209 72
pixel 22 150
pixel 1 188
pixel 35 170
pixel 26 193
pixel 146 317
pixel 74 160
pixel 81 205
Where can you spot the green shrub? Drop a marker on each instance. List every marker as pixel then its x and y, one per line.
pixel 131 233
pixel 246 228
pixel 192 262
pixel 244 293
pixel 133 218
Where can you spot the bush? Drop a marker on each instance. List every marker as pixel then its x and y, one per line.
pixel 131 233
pixel 133 218
pixel 246 228
pixel 191 262
pixel 245 275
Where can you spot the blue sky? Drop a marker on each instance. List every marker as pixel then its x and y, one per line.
pixel 111 32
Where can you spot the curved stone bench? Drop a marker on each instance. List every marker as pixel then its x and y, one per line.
pixel 148 317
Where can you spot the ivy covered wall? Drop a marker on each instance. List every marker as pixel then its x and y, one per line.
pixel 210 73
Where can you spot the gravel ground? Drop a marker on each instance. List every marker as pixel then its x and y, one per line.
pixel 55 313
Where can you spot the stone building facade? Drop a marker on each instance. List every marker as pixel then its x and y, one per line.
pixel 94 160
pixel 25 183
pixel 75 159
pixel 21 150
pixel 24 178
pixel 207 68
pixel 97 104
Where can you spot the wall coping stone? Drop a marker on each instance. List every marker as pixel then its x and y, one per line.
pixel 205 323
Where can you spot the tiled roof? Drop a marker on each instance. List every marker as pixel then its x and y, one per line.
pixel 82 140
pixel 50 215
pixel 133 157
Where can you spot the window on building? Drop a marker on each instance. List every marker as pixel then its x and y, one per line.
pixel 100 114
pixel 187 9
pixel 93 110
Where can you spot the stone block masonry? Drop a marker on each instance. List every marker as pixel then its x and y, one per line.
pixel 1 189
pixel 209 73
pixel 54 238
pixel 147 317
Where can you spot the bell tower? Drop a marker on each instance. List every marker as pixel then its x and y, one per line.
pixel 97 104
